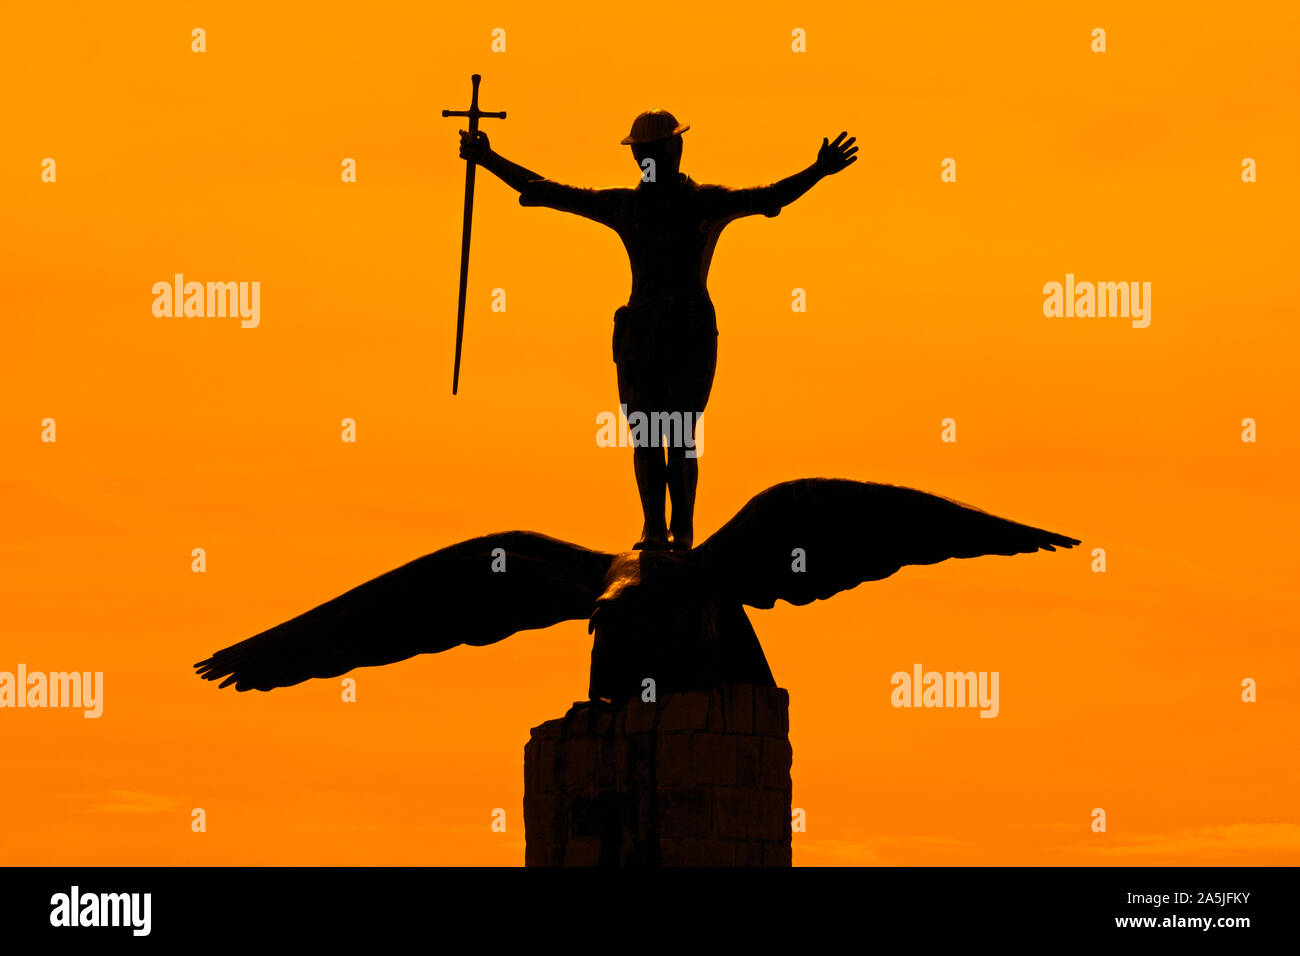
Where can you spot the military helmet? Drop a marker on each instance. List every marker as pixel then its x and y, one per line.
pixel 652 126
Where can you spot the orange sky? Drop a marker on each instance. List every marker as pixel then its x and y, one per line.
pixel 1118 690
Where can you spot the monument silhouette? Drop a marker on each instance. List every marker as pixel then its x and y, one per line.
pixel 681 753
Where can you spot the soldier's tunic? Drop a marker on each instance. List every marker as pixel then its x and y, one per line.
pixel 665 338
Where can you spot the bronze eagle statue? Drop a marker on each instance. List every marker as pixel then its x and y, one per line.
pixel 676 617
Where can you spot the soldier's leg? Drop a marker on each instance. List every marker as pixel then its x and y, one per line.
pixel 647 461
pixel 683 476
pixel 651 479
pixel 694 383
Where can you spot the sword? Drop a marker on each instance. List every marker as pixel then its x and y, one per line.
pixel 474 113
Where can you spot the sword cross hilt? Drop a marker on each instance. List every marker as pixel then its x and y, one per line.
pixel 474 113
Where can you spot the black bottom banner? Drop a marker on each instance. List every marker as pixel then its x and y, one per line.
pixel 1162 907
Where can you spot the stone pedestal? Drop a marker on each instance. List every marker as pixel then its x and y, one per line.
pixel 694 779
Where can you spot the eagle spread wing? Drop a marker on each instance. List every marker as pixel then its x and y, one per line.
pixel 851 532
pixel 469 593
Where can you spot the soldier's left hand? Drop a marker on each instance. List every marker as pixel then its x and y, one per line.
pixel 833 157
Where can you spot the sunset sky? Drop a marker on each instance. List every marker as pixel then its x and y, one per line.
pixel 1119 690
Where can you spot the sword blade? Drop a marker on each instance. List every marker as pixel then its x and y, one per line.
pixel 464 270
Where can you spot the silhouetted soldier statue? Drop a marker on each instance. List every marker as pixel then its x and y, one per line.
pixel 665 338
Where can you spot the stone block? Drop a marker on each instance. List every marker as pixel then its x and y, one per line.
pixel 716 720
pixel 576 769
pixel 739 708
pixel 771 712
pixel 640 762
pixel 694 780
pixel 749 752
pixel 673 760
pixel 641 716
pixel 683 813
pixel 713 759
pixel 775 763
pixel 773 816
pixel 547 750
pixel 606 763
pixel 735 813
pixel 684 712
pixel 776 854
pixel 748 853
pixel 582 853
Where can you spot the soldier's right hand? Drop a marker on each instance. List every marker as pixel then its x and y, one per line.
pixel 476 147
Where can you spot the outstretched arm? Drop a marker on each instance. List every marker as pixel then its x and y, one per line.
pixel 831 158
pixel 729 204
pixel 601 205
pixel 480 151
